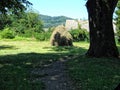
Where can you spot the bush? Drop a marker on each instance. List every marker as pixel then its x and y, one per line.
pixel 39 36
pixel 7 34
pixel 28 34
pixel 44 36
pixel 79 35
pixel 61 37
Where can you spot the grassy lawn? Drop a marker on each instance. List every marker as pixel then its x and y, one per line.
pixel 94 73
pixel 17 58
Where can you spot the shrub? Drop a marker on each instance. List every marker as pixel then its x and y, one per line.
pixel 61 37
pixel 47 35
pixel 39 36
pixel 79 35
pixel 7 34
pixel 28 34
pixel 44 36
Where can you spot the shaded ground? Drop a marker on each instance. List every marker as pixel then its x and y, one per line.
pixel 54 76
pixel 18 58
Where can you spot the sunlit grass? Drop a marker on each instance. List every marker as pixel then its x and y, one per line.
pixel 24 47
pixel 15 47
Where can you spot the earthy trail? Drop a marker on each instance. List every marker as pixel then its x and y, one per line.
pixel 55 76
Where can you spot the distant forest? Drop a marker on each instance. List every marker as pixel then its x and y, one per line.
pixel 49 21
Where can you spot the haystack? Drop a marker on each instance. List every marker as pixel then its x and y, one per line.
pixel 61 37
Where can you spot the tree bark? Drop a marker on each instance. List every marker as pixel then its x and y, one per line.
pixel 102 41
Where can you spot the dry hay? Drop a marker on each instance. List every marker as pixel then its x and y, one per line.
pixel 61 37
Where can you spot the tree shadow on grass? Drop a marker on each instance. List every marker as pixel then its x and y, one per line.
pixel 15 69
pixel 34 58
pixel 73 50
pixel 7 47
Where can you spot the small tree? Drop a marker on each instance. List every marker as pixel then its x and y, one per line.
pixel 27 23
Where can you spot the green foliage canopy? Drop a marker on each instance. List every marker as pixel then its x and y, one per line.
pixel 118 20
pixel 79 35
pixel 14 6
pixel 28 21
pixel 9 7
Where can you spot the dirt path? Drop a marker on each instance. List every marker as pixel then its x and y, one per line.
pixel 55 76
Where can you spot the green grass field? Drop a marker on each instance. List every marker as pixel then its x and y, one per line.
pixel 17 58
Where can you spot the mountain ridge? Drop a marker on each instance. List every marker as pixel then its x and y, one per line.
pixel 53 21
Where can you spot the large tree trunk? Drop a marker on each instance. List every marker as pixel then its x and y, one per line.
pixel 102 41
